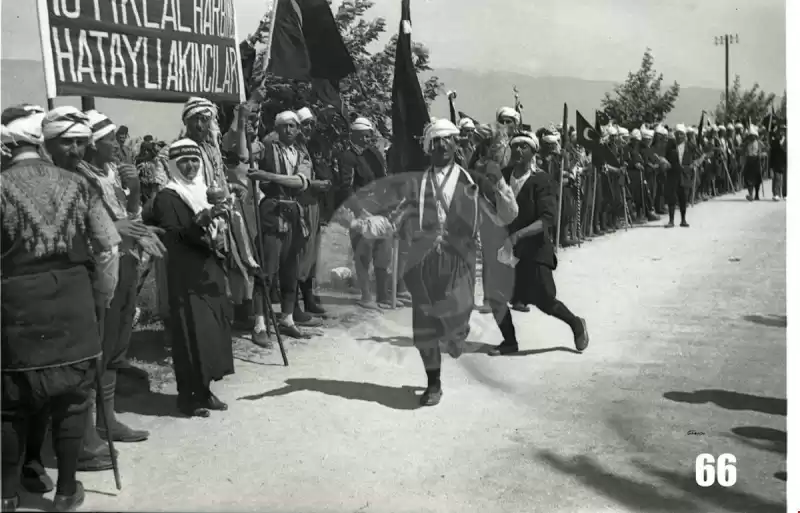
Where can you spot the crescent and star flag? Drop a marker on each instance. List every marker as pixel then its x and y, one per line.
pixel 409 111
pixel 701 125
pixel 589 138
pixel 306 45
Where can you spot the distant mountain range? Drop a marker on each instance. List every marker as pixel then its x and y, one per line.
pixel 480 94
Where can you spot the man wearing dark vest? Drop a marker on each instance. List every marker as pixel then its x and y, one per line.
pixel 59 271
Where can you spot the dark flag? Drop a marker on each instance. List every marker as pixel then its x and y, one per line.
pixel 600 119
pixel 462 115
pixel 589 138
pixel 451 101
pixel 409 111
pixel 701 125
pixel 306 45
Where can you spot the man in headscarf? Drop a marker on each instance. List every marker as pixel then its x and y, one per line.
pixel 445 207
pixel 118 186
pixel 59 269
pixel 122 153
pixel 363 173
pixel 200 121
pixel 660 142
pixel 283 172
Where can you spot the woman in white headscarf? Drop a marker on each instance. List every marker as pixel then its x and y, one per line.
pixel 200 311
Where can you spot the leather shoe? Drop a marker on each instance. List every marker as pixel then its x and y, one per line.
pixel 431 397
pixel 122 433
pixel 70 502
pixel 35 479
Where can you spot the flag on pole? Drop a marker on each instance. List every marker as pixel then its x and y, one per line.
pixel 462 115
pixel 409 111
pixel 589 138
pixel 305 44
pixel 600 119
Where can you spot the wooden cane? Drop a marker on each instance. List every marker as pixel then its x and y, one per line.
pixel 395 264
pixel 624 201
pixel 104 414
pixel 267 311
pixel 579 205
pixel 594 199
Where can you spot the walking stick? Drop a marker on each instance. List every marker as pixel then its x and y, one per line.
pixel 625 205
pixel 268 311
pixel 642 186
pixel 98 381
pixel 594 200
pixel 395 264
pixel 580 212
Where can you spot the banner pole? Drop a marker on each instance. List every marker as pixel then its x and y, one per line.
pixel 47 51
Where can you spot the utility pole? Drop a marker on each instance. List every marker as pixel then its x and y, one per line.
pixel 727 40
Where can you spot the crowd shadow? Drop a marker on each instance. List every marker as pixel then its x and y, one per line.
pixel 634 495
pixel 731 400
pixel 149 346
pixel 729 499
pixel 764 438
pixel 408 342
pixel 397 398
pixel 773 321
pixel 676 491
pixel 544 350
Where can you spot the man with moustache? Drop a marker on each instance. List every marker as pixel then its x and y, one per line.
pixel 112 181
pixel 59 270
pixel 446 207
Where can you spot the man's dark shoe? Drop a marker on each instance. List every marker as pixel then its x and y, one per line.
pixel 292 331
pixel 684 224
pixel 70 502
pixel 303 319
pixel 520 307
pixel 581 336
pixel 35 479
pixel 431 397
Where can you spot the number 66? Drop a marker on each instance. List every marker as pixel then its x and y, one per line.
pixel 705 473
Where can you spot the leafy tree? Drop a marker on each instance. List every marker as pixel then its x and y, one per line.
pixel 744 105
pixel 366 93
pixel 640 99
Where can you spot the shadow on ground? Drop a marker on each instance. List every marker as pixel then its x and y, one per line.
pixel 407 342
pixel 773 321
pixel 764 438
pixel 150 404
pixel 667 491
pixel 402 398
pixel 731 400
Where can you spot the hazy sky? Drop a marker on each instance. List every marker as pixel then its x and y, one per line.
pixel 590 39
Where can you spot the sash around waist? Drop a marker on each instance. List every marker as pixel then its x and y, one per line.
pixel 48 319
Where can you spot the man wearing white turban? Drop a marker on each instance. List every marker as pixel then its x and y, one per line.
pixel 59 269
pixel 284 172
pixel 751 151
pixel 119 188
pixel 444 215
pixel 530 240
pixel 362 169
pixel 680 177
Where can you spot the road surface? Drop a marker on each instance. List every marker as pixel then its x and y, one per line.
pixel 687 357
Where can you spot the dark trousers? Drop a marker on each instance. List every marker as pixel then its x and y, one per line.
pixel 281 254
pixel 540 291
pixel 676 194
pixel 28 397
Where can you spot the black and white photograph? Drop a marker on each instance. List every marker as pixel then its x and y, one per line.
pixel 397 256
